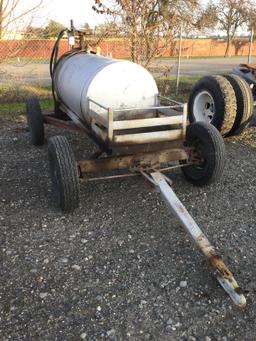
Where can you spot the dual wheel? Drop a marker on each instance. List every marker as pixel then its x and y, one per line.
pixel 224 101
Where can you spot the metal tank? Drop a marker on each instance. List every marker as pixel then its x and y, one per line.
pixel 115 84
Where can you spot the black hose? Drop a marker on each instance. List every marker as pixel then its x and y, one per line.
pixel 54 60
pixel 55 50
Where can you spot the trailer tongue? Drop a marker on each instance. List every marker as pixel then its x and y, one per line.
pixel 220 270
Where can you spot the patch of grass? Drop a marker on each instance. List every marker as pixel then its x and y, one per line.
pixel 25 60
pixel 184 57
pixel 13 110
pixel 13 93
pixel 13 97
pixel 167 87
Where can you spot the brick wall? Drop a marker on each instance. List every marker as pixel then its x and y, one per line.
pixel 190 48
pixel 29 48
pixel 120 48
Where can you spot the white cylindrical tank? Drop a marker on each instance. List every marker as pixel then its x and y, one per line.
pixel 115 84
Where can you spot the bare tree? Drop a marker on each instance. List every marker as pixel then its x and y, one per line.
pixel 232 14
pixel 108 29
pixel 252 19
pixel 207 17
pixel 149 25
pixel 11 12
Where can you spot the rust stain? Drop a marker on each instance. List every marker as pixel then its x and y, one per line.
pixel 216 262
pixel 239 291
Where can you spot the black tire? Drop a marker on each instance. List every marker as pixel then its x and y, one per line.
pixel 244 101
pixel 250 102
pixel 223 106
pixel 64 174
pixel 210 148
pixel 35 121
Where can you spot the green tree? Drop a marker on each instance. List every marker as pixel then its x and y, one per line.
pixel 34 32
pixel 108 29
pixel 52 29
pixel 87 29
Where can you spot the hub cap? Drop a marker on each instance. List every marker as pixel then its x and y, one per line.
pixel 204 108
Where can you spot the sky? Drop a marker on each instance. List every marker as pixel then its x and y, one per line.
pixel 64 10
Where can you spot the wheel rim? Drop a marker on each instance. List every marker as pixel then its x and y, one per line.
pixel 204 107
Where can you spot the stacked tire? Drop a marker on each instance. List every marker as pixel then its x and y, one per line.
pixel 224 101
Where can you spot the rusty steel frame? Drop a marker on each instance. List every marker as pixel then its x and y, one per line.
pixel 132 162
pixel 138 172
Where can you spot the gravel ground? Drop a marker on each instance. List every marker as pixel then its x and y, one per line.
pixel 121 268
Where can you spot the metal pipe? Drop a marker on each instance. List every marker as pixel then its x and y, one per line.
pixel 171 100
pixel 110 177
pixel 98 104
pixel 148 108
pixel 177 105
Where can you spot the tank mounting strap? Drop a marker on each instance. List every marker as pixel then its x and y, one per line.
pixel 220 270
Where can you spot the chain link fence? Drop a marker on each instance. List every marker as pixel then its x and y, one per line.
pixel 27 61
pixel 24 65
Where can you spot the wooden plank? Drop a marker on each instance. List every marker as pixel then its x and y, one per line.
pixel 147 122
pixel 169 112
pixel 156 136
pixel 123 149
pixel 110 124
pixel 185 118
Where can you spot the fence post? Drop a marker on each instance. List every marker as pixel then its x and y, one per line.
pixel 250 48
pixel 179 61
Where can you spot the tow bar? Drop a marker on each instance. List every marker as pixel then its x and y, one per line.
pixel 220 270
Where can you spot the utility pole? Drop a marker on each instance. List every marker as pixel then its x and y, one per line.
pixel 179 62
pixel 250 48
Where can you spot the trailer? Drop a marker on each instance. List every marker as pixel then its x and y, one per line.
pixel 138 133
pixel 248 73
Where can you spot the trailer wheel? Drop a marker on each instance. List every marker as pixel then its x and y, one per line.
pixel 208 156
pixel 244 100
pixel 212 100
pixel 64 174
pixel 35 121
